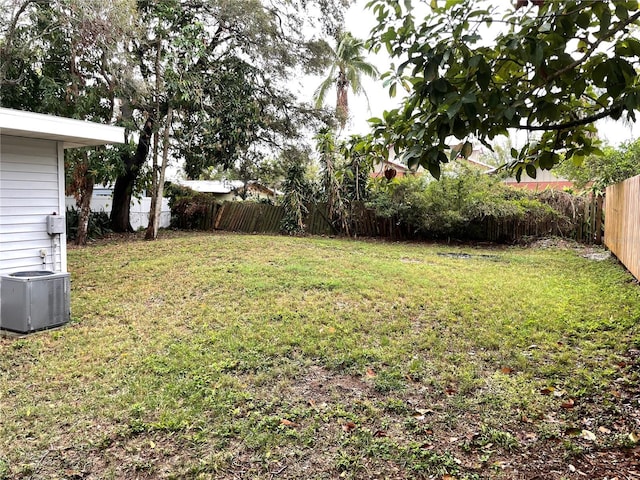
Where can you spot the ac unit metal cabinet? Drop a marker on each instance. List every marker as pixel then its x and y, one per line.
pixel 34 300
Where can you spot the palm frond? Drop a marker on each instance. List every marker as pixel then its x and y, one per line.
pixel 349 60
pixel 320 94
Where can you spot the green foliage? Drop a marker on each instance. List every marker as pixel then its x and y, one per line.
pixel 225 105
pixel 229 122
pixel 99 224
pixel 452 205
pixel 189 209
pixel 553 68
pixel 331 188
pixel 345 168
pixel 596 173
pixel 358 157
pixel 297 193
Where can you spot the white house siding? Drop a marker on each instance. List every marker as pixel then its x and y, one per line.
pixel 30 174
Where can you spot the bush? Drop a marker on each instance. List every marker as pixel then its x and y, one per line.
pixel 99 224
pixel 190 210
pixel 455 206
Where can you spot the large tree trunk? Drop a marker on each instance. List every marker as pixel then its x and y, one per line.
pixel 124 183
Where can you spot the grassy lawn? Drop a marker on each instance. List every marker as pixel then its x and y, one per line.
pixel 229 356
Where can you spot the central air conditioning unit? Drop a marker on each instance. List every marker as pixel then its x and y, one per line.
pixel 34 300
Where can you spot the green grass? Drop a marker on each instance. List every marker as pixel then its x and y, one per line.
pixel 188 357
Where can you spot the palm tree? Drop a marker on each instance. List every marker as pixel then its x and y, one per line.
pixel 347 68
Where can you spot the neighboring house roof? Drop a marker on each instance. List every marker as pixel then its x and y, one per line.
pixel 222 187
pixel 542 185
pixel 73 133
pixel 402 169
pixel 476 163
pixel 212 186
pixel 379 168
pixel 259 187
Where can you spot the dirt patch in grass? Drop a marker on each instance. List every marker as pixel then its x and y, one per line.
pixel 144 456
pixel 341 426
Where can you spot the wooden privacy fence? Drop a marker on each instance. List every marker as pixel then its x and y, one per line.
pixel 249 217
pixel 581 219
pixel 622 214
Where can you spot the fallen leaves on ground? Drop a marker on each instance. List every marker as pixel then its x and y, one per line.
pixel 588 435
pixel 348 427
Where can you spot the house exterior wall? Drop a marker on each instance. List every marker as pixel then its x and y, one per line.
pixel 31 184
pixel 544 179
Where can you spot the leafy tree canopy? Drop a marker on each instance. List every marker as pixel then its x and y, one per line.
pixel 222 66
pixel 596 173
pixel 225 65
pixel 475 71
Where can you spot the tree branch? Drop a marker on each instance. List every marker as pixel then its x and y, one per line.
pixel 592 49
pixel 574 123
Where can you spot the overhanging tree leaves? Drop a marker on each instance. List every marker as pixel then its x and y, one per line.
pixel 551 69
pixel 60 57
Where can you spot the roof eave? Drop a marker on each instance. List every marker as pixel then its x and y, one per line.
pixel 72 133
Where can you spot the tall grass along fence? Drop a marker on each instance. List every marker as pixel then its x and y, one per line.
pixel 622 213
pixel 580 218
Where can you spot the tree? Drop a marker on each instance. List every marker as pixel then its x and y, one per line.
pixel 551 68
pixel 60 57
pixel 597 173
pixel 221 108
pixel 331 176
pixel 359 158
pixel 297 191
pixel 348 65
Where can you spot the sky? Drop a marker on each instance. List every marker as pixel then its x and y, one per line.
pixel 359 21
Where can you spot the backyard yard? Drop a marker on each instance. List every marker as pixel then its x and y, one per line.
pixel 223 356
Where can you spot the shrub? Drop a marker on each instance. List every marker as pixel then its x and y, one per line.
pixel 189 209
pixel 455 206
pixel 297 193
pixel 99 224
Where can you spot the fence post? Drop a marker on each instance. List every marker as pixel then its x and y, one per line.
pixel 599 214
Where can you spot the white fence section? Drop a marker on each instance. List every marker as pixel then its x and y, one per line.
pixel 138 213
